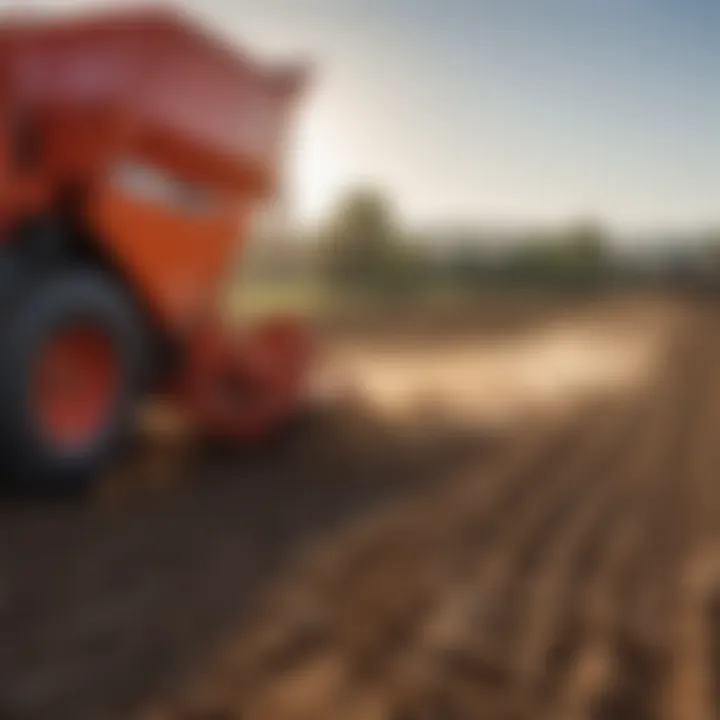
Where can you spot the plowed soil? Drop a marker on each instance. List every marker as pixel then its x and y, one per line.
pixel 563 562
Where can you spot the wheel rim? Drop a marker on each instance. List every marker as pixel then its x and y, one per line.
pixel 74 385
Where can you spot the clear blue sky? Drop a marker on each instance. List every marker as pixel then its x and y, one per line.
pixel 516 109
pixel 503 109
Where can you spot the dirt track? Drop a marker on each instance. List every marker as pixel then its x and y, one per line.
pixel 565 570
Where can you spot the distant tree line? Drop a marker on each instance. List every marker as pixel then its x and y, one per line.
pixel 363 248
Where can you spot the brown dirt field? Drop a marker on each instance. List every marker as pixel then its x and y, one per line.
pixel 403 566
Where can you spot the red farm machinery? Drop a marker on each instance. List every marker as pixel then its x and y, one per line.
pixel 134 149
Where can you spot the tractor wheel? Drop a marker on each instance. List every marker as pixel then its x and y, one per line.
pixel 72 362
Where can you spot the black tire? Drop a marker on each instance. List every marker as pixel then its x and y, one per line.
pixel 29 461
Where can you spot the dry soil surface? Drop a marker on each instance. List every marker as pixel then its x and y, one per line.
pixel 431 553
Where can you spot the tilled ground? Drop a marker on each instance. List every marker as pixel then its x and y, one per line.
pixel 111 601
pixel 575 575
pixel 568 571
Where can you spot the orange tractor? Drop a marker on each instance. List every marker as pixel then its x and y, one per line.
pixel 133 150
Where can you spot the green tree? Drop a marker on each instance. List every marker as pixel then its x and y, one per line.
pixel 710 244
pixel 359 242
pixel 583 253
pixel 574 256
pixel 585 242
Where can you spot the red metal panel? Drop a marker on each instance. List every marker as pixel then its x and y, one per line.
pixel 197 124
pixel 164 74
